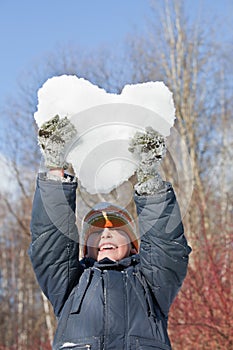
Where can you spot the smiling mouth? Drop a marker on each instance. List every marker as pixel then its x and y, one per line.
pixel 108 246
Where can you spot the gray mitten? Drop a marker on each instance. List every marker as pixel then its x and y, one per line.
pixel 53 138
pixel 149 148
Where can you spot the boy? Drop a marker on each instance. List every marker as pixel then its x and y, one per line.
pixel 118 296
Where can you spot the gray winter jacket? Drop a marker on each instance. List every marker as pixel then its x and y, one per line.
pixel 108 305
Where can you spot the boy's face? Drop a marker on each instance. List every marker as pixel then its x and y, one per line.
pixel 109 243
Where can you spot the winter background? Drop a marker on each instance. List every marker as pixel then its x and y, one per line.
pixel 41 39
pixel 31 30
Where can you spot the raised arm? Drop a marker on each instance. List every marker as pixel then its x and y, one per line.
pixel 54 247
pixel 163 249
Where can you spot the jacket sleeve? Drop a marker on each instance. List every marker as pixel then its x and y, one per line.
pixel 163 250
pixel 54 247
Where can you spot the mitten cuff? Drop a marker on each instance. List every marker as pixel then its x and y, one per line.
pixel 149 187
pixel 51 177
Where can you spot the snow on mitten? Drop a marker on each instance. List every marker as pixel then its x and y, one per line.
pixel 150 148
pixel 53 138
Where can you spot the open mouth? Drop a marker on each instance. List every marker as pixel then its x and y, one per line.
pixel 107 246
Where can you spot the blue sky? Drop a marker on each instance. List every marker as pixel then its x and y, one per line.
pixel 30 29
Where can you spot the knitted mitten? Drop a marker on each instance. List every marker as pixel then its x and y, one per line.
pixel 150 148
pixel 53 138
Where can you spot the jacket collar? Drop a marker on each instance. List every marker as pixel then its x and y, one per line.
pixel 107 264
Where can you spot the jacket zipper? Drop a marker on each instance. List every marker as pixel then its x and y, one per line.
pixel 125 279
pixel 105 306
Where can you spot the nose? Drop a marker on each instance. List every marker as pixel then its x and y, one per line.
pixel 106 233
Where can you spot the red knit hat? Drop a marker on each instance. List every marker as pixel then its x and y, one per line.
pixel 108 215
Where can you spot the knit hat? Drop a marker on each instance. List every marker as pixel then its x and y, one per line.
pixel 106 215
